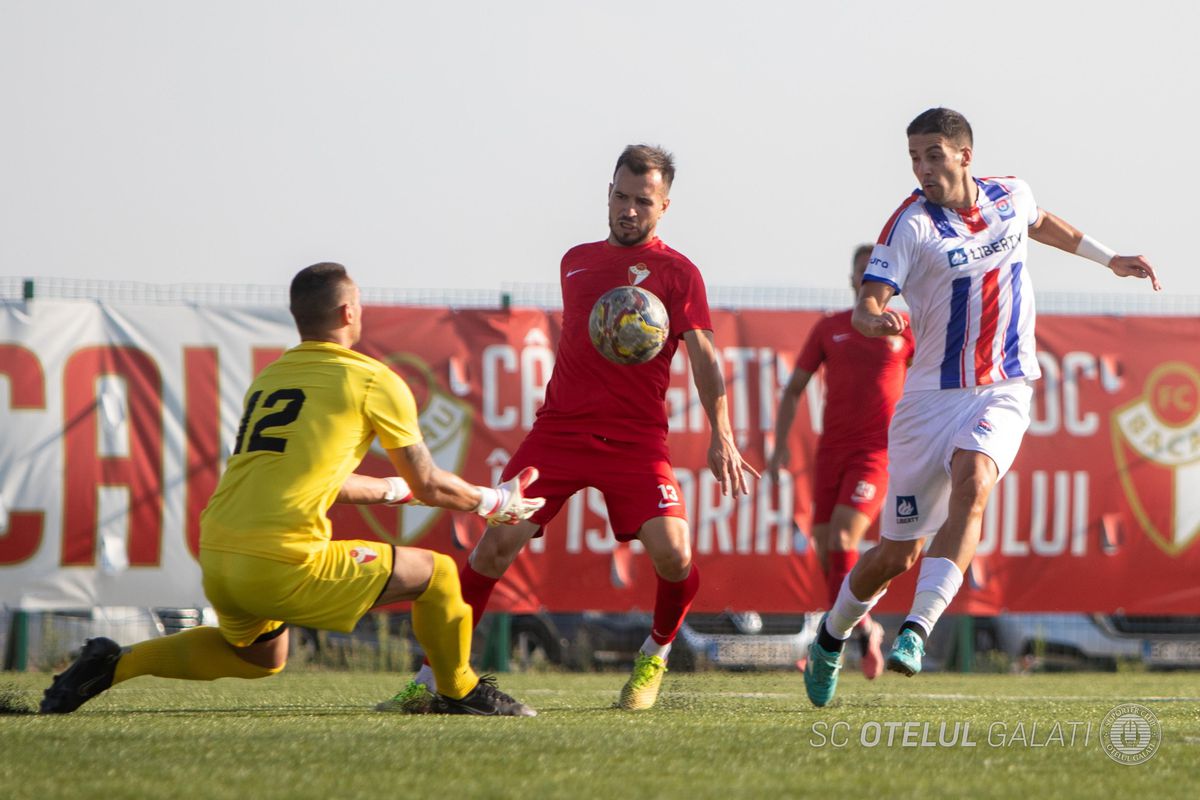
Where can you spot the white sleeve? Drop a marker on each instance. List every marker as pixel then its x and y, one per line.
pixel 1023 198
pixel 892 257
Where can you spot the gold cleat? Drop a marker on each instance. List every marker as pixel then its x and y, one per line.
pixel 641 690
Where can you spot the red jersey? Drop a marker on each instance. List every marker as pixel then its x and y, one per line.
pixel 588 393
pixel 864 378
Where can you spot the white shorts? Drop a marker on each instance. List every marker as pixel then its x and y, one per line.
pixel 927 428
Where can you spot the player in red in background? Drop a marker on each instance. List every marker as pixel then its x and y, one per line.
pixel 604 425
pixel 864 378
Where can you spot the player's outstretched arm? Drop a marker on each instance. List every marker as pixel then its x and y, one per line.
pixel 785 415
pixel 1057 232
pixel 724 459
pixel 871 316
pixel 367 489
pixel 433 486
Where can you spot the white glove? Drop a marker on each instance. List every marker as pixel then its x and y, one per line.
pixel 398 492
pixel 507 503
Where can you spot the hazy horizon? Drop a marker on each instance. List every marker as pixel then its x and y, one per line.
pixel 469 145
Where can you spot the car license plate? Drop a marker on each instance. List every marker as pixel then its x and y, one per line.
pixel 1172 652
pixel 756 651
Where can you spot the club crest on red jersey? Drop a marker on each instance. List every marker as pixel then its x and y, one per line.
pixel 638 273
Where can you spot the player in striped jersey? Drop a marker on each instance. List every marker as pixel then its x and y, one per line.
pixel 957 250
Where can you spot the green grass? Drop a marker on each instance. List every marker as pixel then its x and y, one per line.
pixel 313 734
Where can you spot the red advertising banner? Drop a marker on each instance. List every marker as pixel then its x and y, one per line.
pixel 115 422
pixel 1099 512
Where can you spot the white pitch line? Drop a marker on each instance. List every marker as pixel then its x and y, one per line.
pixel 1075 698
pixel 1062 697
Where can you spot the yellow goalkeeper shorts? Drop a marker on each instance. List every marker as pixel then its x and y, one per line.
pixel 254 596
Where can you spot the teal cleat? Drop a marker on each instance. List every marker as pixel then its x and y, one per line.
pixel 906 654
pixel 821 673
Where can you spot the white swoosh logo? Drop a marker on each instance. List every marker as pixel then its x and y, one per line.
pixel 839 337
pixel 661 504
pixel 572 272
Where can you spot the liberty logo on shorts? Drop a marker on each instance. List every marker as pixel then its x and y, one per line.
pixel 984 428
pixel 363 555
pixel 958 257
pixel 906 508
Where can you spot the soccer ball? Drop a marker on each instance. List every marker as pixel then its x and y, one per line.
pixel 628 325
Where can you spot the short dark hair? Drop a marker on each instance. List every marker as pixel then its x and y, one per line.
pixel 316 295
pixel 641 158
pixel 865 247
pixel 944 122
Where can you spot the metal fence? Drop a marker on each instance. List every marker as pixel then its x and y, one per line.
pixel 543 296
pixel 1008 643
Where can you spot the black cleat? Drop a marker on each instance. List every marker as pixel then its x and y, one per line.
pixel 88 676
pixel 485 700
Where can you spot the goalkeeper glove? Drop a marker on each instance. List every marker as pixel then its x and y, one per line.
pixel 507 504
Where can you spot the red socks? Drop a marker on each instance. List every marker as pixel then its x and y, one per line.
pixel 840 563
pixel 671 604
pixel 476 590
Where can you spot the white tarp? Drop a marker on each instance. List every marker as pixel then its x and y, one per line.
pixel 56 336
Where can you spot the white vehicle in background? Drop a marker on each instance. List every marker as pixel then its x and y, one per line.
pixel 1098 641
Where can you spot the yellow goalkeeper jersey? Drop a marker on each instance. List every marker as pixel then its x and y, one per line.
pixel 308 420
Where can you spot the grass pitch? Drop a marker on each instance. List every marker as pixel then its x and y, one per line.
pixel 718 735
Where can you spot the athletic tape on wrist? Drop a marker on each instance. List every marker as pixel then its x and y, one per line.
pixel 398 491
pixel 1092 250
pixel 489 500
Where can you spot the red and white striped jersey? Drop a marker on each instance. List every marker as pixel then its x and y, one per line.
pixel 963 273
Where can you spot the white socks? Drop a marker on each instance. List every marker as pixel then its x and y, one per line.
pixel 939 581
pixel 653 648
pixel 848 611
pixel 425 675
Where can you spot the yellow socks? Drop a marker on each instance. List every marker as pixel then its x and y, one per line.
pixel 442 623
pixel 199 654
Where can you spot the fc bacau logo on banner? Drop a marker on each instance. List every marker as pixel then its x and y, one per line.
pixel 445 424
pixel 1156 444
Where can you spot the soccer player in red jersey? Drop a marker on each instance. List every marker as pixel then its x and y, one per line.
pixel 864 378
pixel 604 425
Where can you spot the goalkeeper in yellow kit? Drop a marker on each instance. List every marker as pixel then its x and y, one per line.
pixel 265 548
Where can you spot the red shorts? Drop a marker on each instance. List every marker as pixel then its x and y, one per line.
pixel 636 479
pixel 855 478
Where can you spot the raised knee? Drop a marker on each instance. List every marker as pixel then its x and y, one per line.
pixel 498 549
pixel 897 562
pixel 443 578
pixel 674 565
pixel 973 491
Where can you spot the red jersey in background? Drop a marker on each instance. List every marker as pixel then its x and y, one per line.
pixel 864 378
